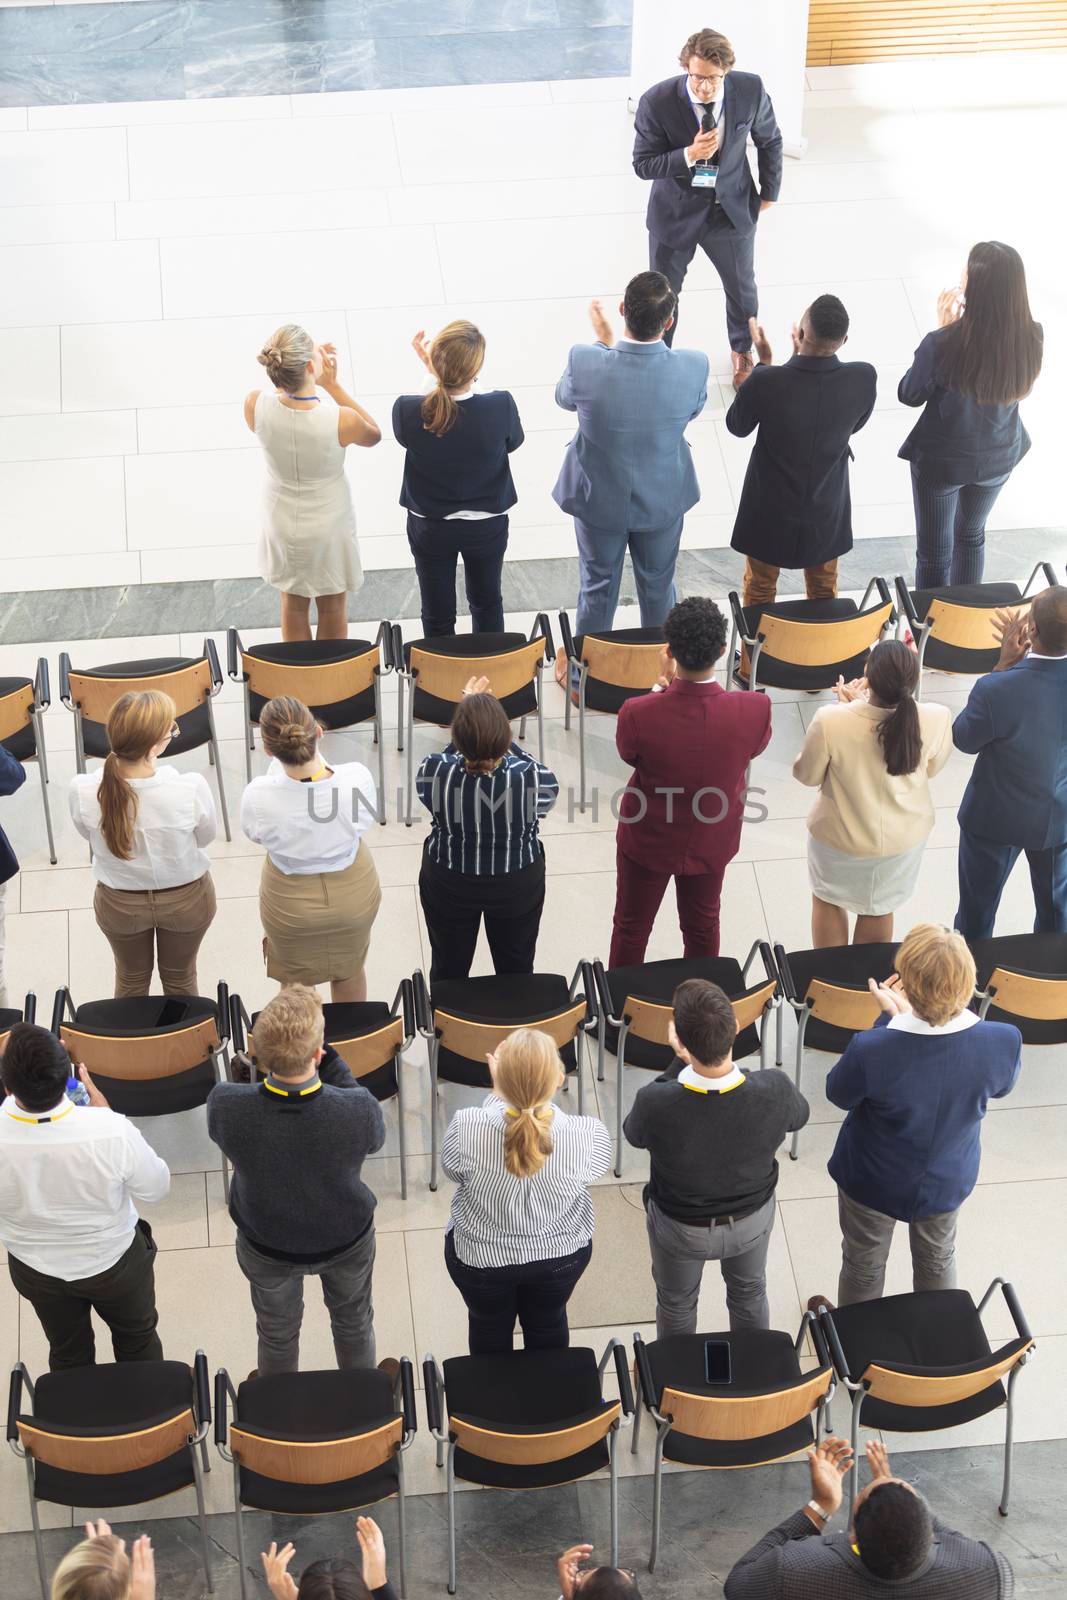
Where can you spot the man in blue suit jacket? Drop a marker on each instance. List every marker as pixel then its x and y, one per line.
pixel 628 478
pixel 1015 722
pixel 691 143
pixel 12 777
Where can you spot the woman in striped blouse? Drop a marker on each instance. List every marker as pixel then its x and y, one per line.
pixel 521 1231
pixel 484 856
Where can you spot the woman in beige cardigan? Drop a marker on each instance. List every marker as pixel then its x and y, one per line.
pixel 871 758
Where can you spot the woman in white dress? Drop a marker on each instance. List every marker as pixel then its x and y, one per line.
pixel 307 546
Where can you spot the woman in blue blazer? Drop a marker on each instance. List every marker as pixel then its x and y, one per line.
pixel 915 1087
pixel 969 376
pixel 457 483
pixel 12 777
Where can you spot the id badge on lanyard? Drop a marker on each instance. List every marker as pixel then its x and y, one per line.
pixel 705 176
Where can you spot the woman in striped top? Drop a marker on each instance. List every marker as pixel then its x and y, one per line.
pixel 484 856
pixel 520 1235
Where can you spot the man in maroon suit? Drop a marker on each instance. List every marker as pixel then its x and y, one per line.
pixel 689 743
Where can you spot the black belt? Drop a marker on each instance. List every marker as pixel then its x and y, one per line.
pixel 710 1222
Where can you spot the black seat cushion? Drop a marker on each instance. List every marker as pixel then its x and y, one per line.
pixel 316 1407
pixel 118 1398
pixel 527 1391
pixel 523 1000
pixel 8 1019
pixel 194 726
pixel 1040 955
pixel 761 1360
pixel 983 596
pixel 849 964
pixel 138 1016
pixel 351 1020
pixel 775 674
pixel 657 980
pixel 611 697
pixel 931 1329
pixel 317 652
pixel 22 744
pixel 429 708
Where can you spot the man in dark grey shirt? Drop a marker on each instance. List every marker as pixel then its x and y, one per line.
pixel 297 1142
pixel 711 1131
pixel 895 1545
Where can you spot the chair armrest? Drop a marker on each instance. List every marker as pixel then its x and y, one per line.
pixel 238 1021
pixel 770 966
pixel 604 1001
pixel 738 615
pixel 223 1003
pixel 431 1382
pixel 201 1388
pixel 212 656
pixel 384 640
pixel 29 1007
pixel 785 975
pixel 423 1013
pixel 1050 574
pixel 566 637
pixel 544 627
pixel 904 600
pixel 1022 1327
pixel 396 648
pixel 14 1401
pixel 64 680
pixel 644 1372
pixel 222 1391
pixel 825 1324
pixel 622 1373
pixel 406 1383
pixel 60 1006
pixel 810 1324
pixel 42 692
pixel 885 597
pixel 406 996
pixel 233 650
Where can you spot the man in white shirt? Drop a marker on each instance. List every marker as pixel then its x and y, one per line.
pixel 69 1179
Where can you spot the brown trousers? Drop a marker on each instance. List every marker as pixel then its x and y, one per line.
pixel 760 586
pixel 147 926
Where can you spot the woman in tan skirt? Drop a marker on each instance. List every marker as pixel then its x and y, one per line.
pixel 319 892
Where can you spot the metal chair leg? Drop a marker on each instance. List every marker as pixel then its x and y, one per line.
pixel 613 1451
pixel 579 1056
pixel 47 808
pixel 433 1116
pixel 639 1406
pixel 213 750
pixel 779 1032
pixel 249 744
pixel 1009 1441
pixel 201 1513
pixel 240 1529
pixel 802 1028
pixel 38 1542
pixel 620 1063
pixel 764 1039
pixel 380 742
pixel 401 1136
pixel 400 711
pixel 79 743
pixel 657 1497
pixel 854 1434
pixel 402 1526
pixel 451 1519
pixel 540 718
pixel 601 1048
pixel 410 796
pixel 581 738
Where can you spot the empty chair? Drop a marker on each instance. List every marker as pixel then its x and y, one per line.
pixel 744 1402
pixel 809 644
pixel 612 666
pixel 464 1019
pixel 23 702
pixel 191 682
pixel 112 1435
pixel 436 670
pixel 827 990
pixel 338 679
pixel 917 1363
pixel 306 1444
pixel 634 1013
pixel 953 626
pixel 527 1420
pixel 1022 978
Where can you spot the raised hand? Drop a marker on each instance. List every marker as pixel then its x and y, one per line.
pixel 422 349
pixel 276 1571
pixel 1012 628
pixel 95 1099
pixel 329 366
pixel 476 685
pixel 568 1565
pixel 372 1548
pixel 601 325
pixel 890 996
pixel 760 341
pixel 829 1462
pixel 878 1460
pixel 143 1570
pixel 949 306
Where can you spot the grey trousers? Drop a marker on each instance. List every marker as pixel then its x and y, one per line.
pixel 679 1253
pixel 278 1301
pixel 865 1239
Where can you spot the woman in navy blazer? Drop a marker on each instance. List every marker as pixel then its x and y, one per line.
pixel 457 483
pixel 12 777
pixel 915 1087
pixel 969 375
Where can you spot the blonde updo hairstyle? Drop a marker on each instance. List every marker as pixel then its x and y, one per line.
pixel 137 722
pixel 289 731
pixel 527 1076
pixel 937 971
pixel 456 358
pixel 96 1569
pixel 286 355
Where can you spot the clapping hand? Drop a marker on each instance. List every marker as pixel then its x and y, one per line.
pixel 847 692
pixel 891 995
pixel 667 669
pixel 760 340
pixel 569 1563
pixel 329 366
pixel 601 325
pixel 1012 628
pixel 878 1460
pixel 276 1571
pixel 372 1548
pixel 949 306
pixel 829 1462
pixel 476 685
pixel 143 1570
pixel 422 349
pixel 95 1099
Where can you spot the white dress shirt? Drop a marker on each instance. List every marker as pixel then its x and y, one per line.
pixel 699 107
pixel 69 1178
pixel 175 820
pixel 908 1022
pixel 310 827
pixel 696 1080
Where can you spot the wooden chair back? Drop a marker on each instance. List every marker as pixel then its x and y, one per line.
pixel 319 1461
pixel 1040 999
pixel 115 1452
pixel 967 627
pixel 16 710
pixel 715 1416
pixel 474 1040
pixel 316 683
pixel 622 663
pixel 650 1019
pixel 144 1056
pixel 911 1389
pixel 369 1051
pixel 189 687
pixel 444 677
pixel 532 1449
pixel 749 1007
pixel 820 644
pixel 842 1006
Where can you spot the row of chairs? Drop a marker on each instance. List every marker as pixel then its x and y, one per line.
pixel 153 1055
pixel 312 1443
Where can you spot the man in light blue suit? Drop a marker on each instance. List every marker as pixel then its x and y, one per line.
pixel 628 477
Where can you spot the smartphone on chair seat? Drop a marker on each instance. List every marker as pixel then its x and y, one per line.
pixel 717 1360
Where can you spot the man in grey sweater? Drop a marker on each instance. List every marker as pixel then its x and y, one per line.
pixel 712 1132
pixel 297 1142
pixel 895 1545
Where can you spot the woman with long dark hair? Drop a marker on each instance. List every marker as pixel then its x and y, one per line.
pixel 871 757
pixel 969 375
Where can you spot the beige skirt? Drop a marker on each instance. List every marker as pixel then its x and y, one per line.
pixel 318 924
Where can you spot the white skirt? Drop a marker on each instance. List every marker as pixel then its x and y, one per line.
pixel 870 886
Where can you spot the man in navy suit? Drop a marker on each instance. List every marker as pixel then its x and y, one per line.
pixel 691 137
pixel 1015 722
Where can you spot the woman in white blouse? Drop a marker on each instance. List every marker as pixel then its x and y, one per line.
pixel 148 828
pixel 521 1230
pixel 319 892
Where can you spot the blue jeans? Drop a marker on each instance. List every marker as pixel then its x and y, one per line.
pixel 984 868
pixel 950 521
pixel 437 547
pixel 536 1292
pixel 601 553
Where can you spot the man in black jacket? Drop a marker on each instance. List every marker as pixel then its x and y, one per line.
pixel 297 1141
pixel 691 143
pixel 711 1131
pixel 796 509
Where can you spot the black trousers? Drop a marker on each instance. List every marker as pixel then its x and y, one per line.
pixel 437 547
pixel 124 1297
pixel 733 255
pixel 535 1292
pixel 454 904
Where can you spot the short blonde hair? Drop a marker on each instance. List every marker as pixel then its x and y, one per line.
pixel 288 1031
pixel 96 1569
pixel 937 971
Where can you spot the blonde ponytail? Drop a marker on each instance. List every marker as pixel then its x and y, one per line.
pixel 527 1076
pixel 137 722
